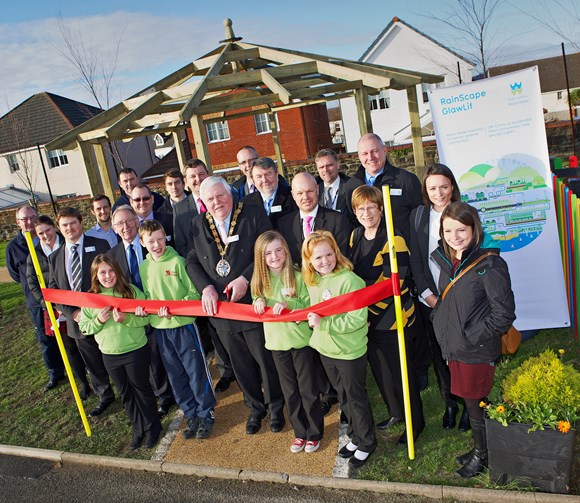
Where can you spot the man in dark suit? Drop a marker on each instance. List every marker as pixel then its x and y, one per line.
pixel 376 170
pixel 221 264
pixel 16 257
pixel 127 180
pixel 184 212
pixel 311 216
pixel 245 185
pixel 276 199
pixel 142 203
pixel 335 188
pixel 70 269
pixel 129 250
pixel 175 187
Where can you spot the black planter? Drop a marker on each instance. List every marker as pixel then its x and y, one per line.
pixel 541 458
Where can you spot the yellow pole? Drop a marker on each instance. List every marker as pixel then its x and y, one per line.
pixel 58 336
pixel 399 314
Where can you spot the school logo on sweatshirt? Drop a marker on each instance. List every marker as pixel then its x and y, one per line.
pixel 326 294
pixel 170 273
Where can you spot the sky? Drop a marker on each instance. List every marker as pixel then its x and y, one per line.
pixel 157 38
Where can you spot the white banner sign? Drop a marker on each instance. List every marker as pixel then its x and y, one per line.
pixel 491 134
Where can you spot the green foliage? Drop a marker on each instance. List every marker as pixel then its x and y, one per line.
pixel 3 253
pixel 543 391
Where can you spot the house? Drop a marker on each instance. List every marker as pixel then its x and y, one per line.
pixel 552 82
pixel 26 165
pixel 400 45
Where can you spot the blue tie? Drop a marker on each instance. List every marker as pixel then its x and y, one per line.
pixel 268 205
pixel 134 266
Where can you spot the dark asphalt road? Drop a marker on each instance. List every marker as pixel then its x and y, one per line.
pixel 31 480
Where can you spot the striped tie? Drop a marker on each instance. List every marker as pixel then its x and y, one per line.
pixel 75 267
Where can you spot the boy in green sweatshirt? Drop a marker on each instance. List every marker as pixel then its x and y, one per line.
pixel 164 278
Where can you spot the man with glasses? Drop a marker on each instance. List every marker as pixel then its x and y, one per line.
pixel 129 254
pixel 142 203
pixel 16 256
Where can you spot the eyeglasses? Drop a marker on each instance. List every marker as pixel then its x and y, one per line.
pixel 127 223
pixel 139 199
pixel 26 219
pixel 248 161
pixel 368 209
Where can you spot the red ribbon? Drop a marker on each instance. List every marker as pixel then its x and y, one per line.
pixel 232 311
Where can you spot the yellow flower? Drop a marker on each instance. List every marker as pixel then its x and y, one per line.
pixel 482 404
pixel 561 351
pixel 564 426
pixel 500 409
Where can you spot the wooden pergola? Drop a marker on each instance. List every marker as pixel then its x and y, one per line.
pixel 235 80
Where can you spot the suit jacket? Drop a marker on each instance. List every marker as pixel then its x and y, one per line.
pixel 118 253
pixel 290 227
pixel 203 257
pixel 343 199
pixel 419 248
pixel 410 195
pixel 283 200
pixel 183 214
pixel 59 278
pixel 16 255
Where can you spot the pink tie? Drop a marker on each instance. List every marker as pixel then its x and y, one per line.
pixel 202 208
pixel 306 226
pixel 222 231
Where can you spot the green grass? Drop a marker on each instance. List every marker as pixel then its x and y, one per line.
pixel 29 417
pixel 436 448
pixel 3 253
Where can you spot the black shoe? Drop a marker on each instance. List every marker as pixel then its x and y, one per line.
pixel 100 408
pixel 464 421
pixel 345 453
pixel 164 407
pixel 51 384
pixel 389 423
pixel 152 438
pixel 277 422
pixel 403 438
pixel 422 381
pixel 464 458
pixel 354 462
pixel 449 418
pixel 191 428
pixel 474 466
pixel 136 442
pixel 343 419
pixel 223 384
pixel 204 429
pixel 326 406
pixel 253 424
pixel 84 391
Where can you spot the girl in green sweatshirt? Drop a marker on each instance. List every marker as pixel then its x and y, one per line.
pixel 341 340
pixel 277 284
pixel 122 340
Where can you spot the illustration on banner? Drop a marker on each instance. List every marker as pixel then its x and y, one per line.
pixel 512 199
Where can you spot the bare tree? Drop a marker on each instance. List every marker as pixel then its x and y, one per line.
pixel 561 17
pixel 471 22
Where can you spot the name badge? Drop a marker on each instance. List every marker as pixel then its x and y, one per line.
pixel 276 209
pixel 89 249
pixel 326 295
pixel 234 238
pixel 396 192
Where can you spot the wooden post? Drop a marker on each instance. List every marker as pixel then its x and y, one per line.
pixel 90 166
pixel 363 110
pixel 199 138
pixel 415 122
pixel 276 140
pixel 179 150
pixel 104 171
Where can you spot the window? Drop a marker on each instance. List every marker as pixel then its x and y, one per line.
pixel 425 92
pixel 13 163
pixel 217 131
pixel 57 158
pixel 159 141
pixel 262 123
pixel 380 101
pixel 559 95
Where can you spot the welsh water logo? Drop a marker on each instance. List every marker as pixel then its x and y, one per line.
pixel 516 88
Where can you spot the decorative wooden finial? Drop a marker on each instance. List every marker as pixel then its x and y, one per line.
pixel 230 37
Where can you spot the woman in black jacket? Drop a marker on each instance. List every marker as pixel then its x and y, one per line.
pixel 472 314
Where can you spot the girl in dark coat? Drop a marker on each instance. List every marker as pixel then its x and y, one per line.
pixel 471 317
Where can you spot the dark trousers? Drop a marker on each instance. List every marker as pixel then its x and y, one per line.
pixel 348 377
pixel 383 351
pixel 75 359
pixel 209 337
pixel 254 367
pixel 186 366
pixel 157 374
pixel 48 345
pixel 93 358
pixel 421 344
pixel 439 363
pixel 297 372
pixel 130 373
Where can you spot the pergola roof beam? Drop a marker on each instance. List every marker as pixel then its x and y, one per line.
pixel 276 87
pixel 173 79
pixel 150 104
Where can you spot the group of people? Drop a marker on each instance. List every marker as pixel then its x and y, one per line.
pixel 282 246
